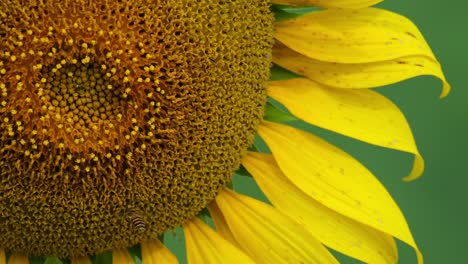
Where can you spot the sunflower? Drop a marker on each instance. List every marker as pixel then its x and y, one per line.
pixel 123 120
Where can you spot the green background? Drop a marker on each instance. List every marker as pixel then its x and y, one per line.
pixel 435 205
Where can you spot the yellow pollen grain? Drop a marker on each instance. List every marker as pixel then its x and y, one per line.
pixel 86 60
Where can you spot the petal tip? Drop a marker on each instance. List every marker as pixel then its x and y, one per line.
pixel 418 169
pixel 445 89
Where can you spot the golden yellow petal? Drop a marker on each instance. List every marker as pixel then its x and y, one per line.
pixel 335 179
pixel 352 4
pixel 2 256
pixel 334 230
pixel 268 235
pixel 356 75
pixel 221 225
pixel 81 260
pixel 358 113
pixel 154 252
pixel 18 259
pixel 122 256
pixel 353 36
pixel 205 246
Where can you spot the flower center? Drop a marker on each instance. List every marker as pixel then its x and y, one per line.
pixel 120 120
pixel 84 104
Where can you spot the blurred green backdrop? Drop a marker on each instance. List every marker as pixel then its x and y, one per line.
pixel 435 205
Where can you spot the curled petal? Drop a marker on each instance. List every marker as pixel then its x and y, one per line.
pixel 267 235
pixel 358 75
pixel 205 246
pixel 154 252
pixel 335 179
pixel 358 113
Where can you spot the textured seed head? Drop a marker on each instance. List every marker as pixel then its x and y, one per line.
pixel 110 107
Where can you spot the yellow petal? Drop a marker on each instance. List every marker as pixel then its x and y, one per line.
pixel 81 260
pixel 205 246
pixel 18 259
pixel 365 75
pixel 2 256
pixel 358 113
pixel 154 252
pixel 352 4
pixel 121 256
pixel 267 235
pixel 335 179
pixel 353 36
pixel 332 229
pixel 220 223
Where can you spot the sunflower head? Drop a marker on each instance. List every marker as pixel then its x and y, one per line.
pixel 120 120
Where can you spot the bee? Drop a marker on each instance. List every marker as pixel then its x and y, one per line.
pixel 136 219
pixel 214 61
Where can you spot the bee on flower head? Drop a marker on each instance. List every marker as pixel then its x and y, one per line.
pixel 213 60
pixel 136 219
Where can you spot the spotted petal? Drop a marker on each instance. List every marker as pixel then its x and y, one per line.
pixel 358 75
pixel 352 4
pixel 121 256
pixel 268 235
pixel 331 228
pixel 353 36
pixel 205 246
pixel 154 252
pixel 358 113
pixel 335 179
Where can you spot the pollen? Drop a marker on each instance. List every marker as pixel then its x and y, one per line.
pixel 109 107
